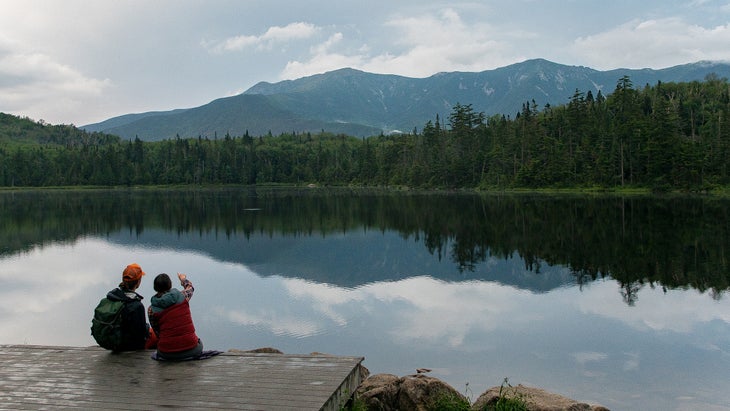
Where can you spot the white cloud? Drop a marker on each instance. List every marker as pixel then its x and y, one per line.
pixel 273 35
pixel 584 357
pixel 71 278
pixel 272 321
pixel 291 31
pixel 655 310
pixel 426 44
pixel 429 311
pixel 322 59
pixel 36 82
pixel 136 56
pixel 632 361
pixel 664 42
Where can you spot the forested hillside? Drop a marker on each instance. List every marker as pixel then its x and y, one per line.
pixel 665 136
pixel 362 104
pixel 17 131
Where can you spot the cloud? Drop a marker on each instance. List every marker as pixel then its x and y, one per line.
pixel 584 357
pixel 632 362
pixel 282 325
pixel 322 59
pixel 71 278
pixel 273 35
pixel 664 42
pixel 36 82
pixel 655 309
pixel 421 46
pixel 429 311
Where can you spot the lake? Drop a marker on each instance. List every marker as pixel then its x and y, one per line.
pixel 611 300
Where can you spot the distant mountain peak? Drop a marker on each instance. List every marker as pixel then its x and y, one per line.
pixel 359 103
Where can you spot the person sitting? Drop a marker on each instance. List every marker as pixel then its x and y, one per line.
pixel 171 320
pixel 135 332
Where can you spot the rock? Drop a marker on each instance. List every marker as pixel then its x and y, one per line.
pixel 388 392
pixel 379 392
pixel 364 371
pixel 536 399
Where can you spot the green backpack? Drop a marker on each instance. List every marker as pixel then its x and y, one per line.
pixel 106 326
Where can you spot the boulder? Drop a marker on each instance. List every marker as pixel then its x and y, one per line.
pixel 388 392
pixel 535 399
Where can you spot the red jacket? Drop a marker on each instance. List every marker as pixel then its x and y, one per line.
pixel 175 329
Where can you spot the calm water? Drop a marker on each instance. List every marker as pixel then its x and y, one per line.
pixel 623 302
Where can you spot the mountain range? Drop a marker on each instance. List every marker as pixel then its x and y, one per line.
pixel 363 104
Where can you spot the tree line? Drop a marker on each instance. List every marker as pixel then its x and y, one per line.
pixel 669 136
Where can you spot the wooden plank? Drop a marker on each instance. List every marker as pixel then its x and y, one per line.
pixel 43 377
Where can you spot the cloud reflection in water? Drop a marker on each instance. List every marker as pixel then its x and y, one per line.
pixel 471 331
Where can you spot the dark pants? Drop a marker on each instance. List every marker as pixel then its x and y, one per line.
pixel 182 355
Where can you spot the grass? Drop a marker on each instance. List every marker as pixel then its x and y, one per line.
pixel 507 401
pixel 354 404
pixel 450 402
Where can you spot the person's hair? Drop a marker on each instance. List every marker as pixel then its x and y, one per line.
pixel 162 283
pixel 130 285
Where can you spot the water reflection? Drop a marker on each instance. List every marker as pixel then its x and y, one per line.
pixel 587 344
pixel 671 242
pixel 403 282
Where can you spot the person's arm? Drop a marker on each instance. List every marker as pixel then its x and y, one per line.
pixel 188 288
pixel 153 321
pixel 138 325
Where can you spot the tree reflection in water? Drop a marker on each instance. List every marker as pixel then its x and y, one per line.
pixel 669 241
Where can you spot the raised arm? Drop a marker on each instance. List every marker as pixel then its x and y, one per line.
pixel 187 285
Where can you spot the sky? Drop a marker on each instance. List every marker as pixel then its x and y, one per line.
pixel 80 62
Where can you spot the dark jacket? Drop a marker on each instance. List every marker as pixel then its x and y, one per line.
pixel 134 327
pixel 171 319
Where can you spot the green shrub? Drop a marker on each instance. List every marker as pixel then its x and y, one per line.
pixel 507 401
pixel 450 402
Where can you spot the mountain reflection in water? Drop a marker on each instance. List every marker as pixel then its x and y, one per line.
pixel 613 300
pixel 669 242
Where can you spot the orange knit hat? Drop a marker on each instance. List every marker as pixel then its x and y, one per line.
pixel 133 272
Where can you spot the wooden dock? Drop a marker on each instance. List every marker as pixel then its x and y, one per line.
pixel 42 377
